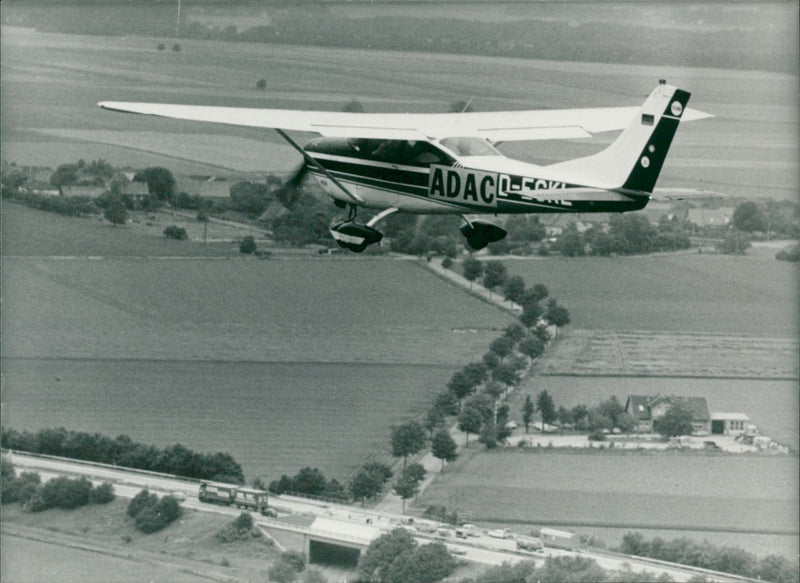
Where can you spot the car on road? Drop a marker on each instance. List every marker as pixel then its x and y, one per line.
pixel 500 533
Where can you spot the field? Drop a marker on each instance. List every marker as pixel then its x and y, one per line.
pixel 52 83
pixel 264 359
pixel 752 295
pixel 630 491
pixel 644 353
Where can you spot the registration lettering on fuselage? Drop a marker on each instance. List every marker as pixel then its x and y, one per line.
pixel 461 185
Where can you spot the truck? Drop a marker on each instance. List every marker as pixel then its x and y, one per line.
pixel 237 496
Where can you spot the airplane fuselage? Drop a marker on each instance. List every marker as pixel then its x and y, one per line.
pixel 428 178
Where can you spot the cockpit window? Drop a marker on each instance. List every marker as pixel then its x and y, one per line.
pixel 405 152
pixel 470 147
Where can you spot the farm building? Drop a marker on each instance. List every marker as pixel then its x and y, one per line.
pixel 210 188
pixel 646 409
pixel 552 537
pixel 729 423
pixel 710 217
pixel 84 191
pixel 137 191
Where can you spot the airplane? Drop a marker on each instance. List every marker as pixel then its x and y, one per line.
pixel 448 163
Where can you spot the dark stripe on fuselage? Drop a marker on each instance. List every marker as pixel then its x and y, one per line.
pixel 395 175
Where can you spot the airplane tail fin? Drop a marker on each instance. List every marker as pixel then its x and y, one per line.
pixel 633 161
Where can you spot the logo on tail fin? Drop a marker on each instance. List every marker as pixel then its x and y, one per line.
pixel 645 172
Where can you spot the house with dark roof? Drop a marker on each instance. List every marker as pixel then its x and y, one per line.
pixel 647 409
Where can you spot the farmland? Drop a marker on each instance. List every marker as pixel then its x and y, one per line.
pixel 634 490
pixel 272 360
pixel 716 294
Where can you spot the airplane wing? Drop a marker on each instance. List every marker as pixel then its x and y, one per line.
pixel 495 126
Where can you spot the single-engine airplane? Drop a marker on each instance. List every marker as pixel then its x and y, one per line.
pixel 448 163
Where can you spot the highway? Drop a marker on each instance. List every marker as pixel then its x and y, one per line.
pixel 480 549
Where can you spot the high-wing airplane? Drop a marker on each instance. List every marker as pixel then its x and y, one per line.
pixel 448 163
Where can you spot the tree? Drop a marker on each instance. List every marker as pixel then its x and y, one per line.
pixel 310 481
pixel 434 419
pixel 531 313
pixel 612 409
pixel 527 412
pixel 406 487
pixel 749 216
pixel 443 447
pixel 532 347
pixel 429 563
pixel 470 420
pixel 407 439
pixel 734 243
pixel 494 275
pixel 64 175
pixel 248 245
pixel 250 197
pixel 546 408
pixel 375 561
pixel 473 269
pixel 570 241
pixel 507 374
pixel 676 421
pixel 514 288
pixel 626 422
pixel 461 384
pixel 369 481
pixel 556 315
pixel 116 213
pixel 160 181
pixel 502 346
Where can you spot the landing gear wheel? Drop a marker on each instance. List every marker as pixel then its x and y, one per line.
pixel 476 242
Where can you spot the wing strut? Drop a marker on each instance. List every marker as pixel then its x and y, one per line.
pixel 311 162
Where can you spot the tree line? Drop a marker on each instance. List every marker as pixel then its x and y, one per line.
pixel 123 451
pixel 726 559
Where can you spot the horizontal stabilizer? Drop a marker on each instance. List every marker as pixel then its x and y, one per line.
pixel 667 194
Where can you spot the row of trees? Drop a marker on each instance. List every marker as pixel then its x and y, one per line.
pixel 630 233
pixel 123 451
pixel 732 560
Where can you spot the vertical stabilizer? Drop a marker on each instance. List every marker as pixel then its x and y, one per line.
pixel 634 160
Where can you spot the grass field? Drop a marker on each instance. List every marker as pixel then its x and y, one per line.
pixel 705 293
pixel 626 491
pixel 645 353
pixel 52 83
pixel 86 545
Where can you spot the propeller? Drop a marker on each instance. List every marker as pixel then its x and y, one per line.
pixel 289 191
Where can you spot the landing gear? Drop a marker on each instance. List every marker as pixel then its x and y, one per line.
pixel 480 233
pixel 355 236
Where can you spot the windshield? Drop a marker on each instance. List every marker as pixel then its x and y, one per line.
pixel 470 147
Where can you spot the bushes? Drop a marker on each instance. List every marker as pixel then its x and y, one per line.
pixel 239 529
pixel 151 514
pixel 286 568
pixel 176 232
pixel 248 245
pixel 57 493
